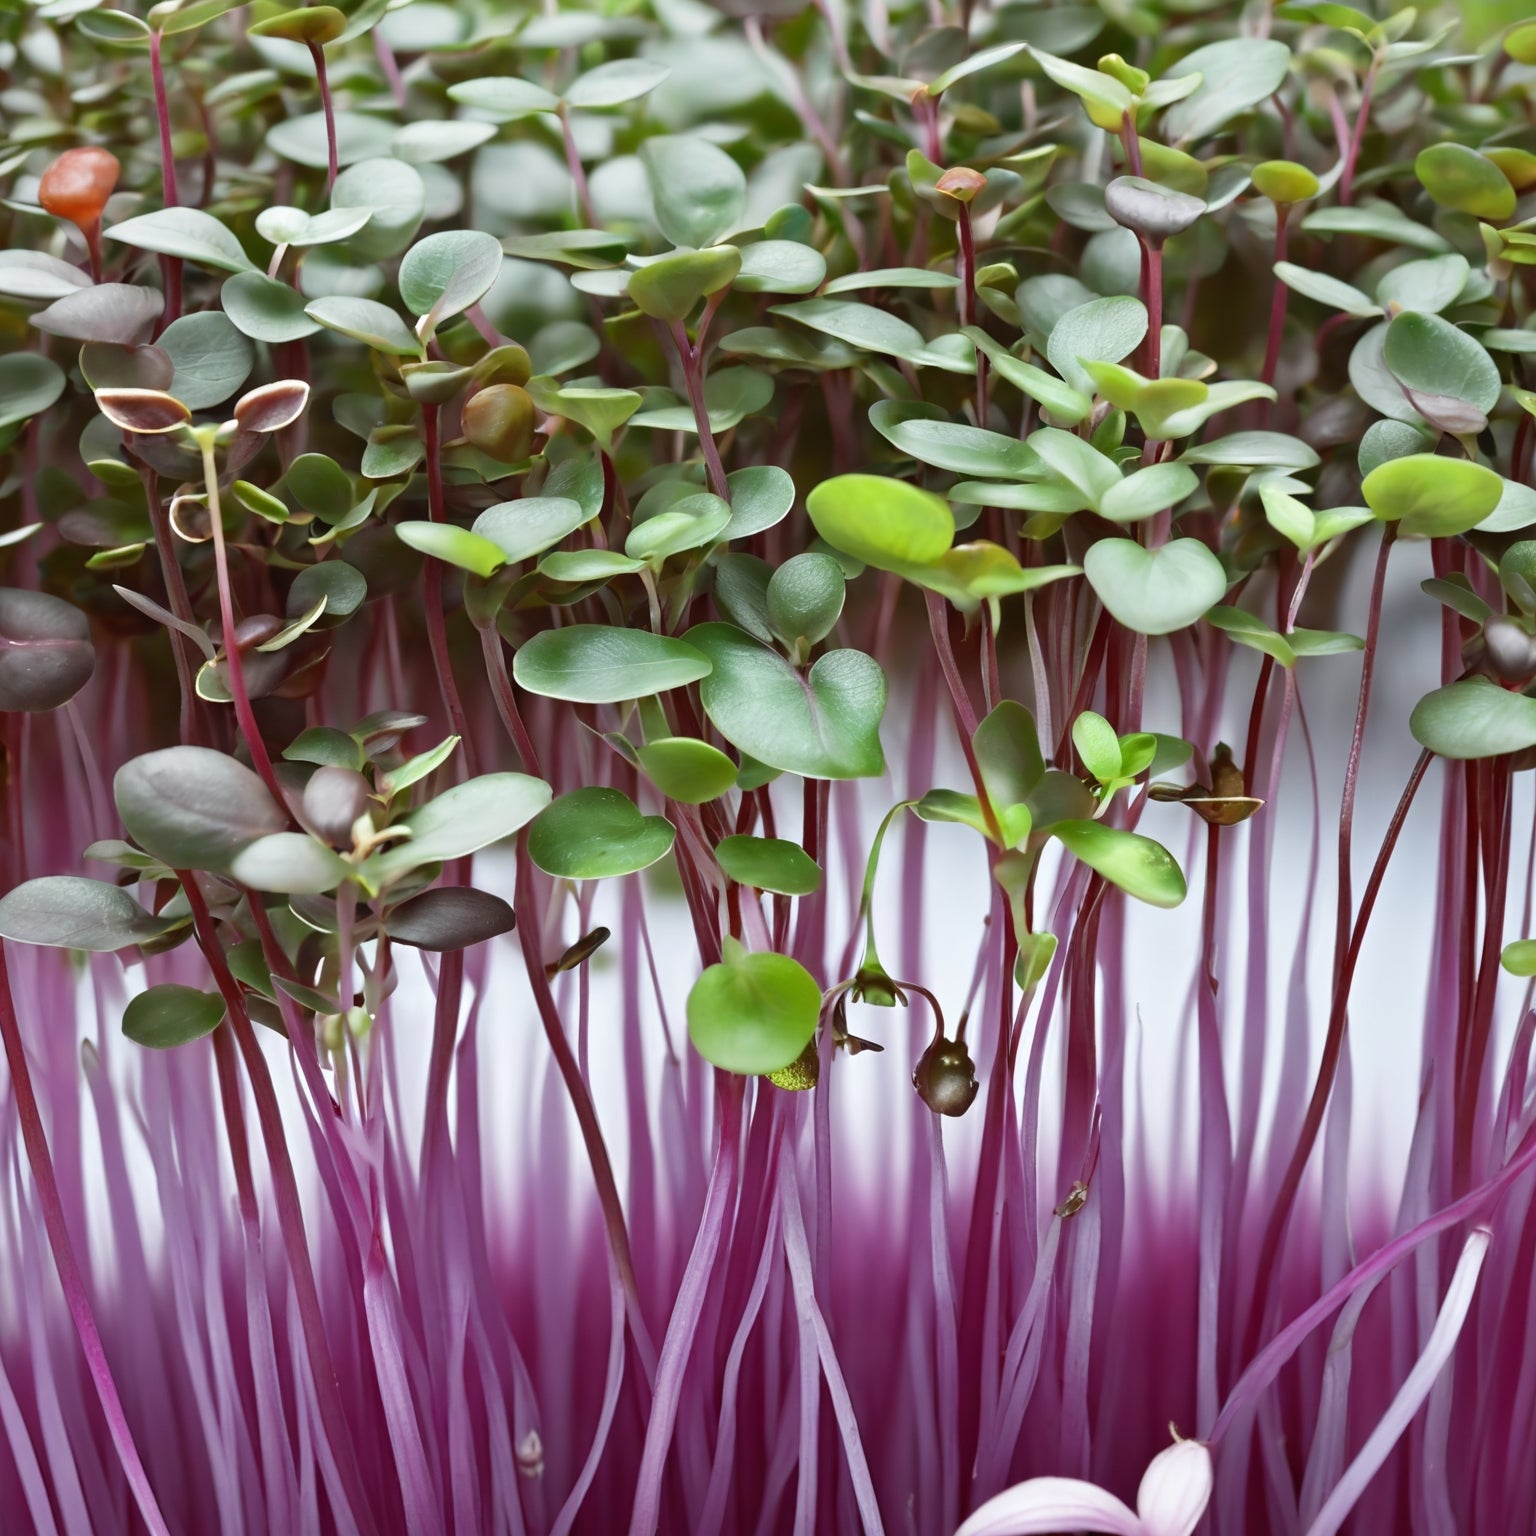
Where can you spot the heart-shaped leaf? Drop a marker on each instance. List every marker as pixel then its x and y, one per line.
pixel 1140 867
pixel 366 320
pixel 1460 178
pixel 594 833
pixel 29 384
pixel 450 917
pixel 1430 356
pixel 699 192
pixel 290 863
pixel 687 770
pixel 881 522
pixel 1155 591
pixel 670 287
pixel 444 274
pixel 824 724
pixel 524 528
pixel 117 313
pixel 185 232
pixel 46 656
pixel 592 664
pixel 194 808
pixel 753 1012
pixel 170 1015
pixel 461 821
pixel 1472 719
pixel 68 912
pixel 1431 496
pixel 769 864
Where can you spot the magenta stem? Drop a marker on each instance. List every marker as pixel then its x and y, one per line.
pixel 244 715
pixel 76 1298
pixel 693 382
pixel 290 1210
pixel 317 53
pixel 1278 301
pixel 528 928
pixel 432 589
pixel 1333 1047
pixel 170 266
pixel 1153 297
pixel 574 165
pixel 1356 138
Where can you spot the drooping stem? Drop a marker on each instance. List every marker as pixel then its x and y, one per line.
pixel 327 107
pixel 1279 300
pixel 574 165
pixel 233 665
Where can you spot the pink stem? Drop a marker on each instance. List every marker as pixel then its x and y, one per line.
pixel 71 1280
pixel 317 53
pixel 233 665
pixel 1347 180
pixel 577 170
pixel 432 584
pixel 693 382
pixel 1278 301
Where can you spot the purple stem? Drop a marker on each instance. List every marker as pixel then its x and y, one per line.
pixel 1347 179
pixel 249 730
pixel 586 1113
pixel 1278 302
pixel 1152 281
pixel 574 165
pixel 693 382
pixel 290 1210
pixel 1333 1047
pixel 317 53
pixel 432 591
pixel 71 1280
pixel 170 266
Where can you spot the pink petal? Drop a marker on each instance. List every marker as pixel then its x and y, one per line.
pixel 1045 1506
pixel 1175 1490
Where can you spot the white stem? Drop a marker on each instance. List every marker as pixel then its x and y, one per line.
pixel 1411 1395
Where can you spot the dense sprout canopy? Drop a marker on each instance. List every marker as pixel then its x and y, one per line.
pixel 471 469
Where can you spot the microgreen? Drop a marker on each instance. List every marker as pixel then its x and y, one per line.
pixel 706 656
